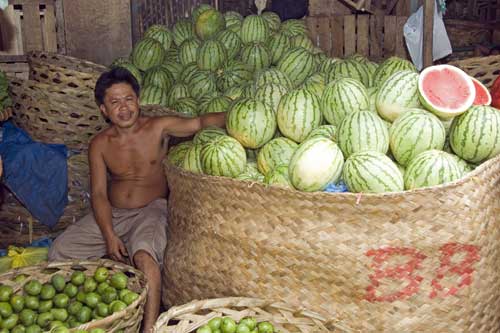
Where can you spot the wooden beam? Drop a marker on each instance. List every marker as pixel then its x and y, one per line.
pixel 31 2
pixel 390 7
pixel 428 32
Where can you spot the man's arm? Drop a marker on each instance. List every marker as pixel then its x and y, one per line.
pixel 182 127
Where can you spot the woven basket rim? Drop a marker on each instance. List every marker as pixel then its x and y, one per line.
pixel 35 54
pixel 470 176
pixel 475 60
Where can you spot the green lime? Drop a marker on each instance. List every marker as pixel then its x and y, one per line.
pixel 119 280
pixel 20 278
pixel 80 297
pixel 45 306
pixel 102 287
pixel 74 307
pixel 251 322
pixel 58 282
pixel 116 306
pixel 55 323
pixel 18 329
pixel 78 278
pixel 10 322
pixel 61 300
pixel 31 302
pixel 60 329
pixel 122 293
pixel 215 323
pixel 228 325
pixel 84 315
pixel 265 327
pixel 97 330
pixel 102 309
pixel 60 314
pixel 5 309
pixel 242 328
pixel 44 319
pixel 71 290
pixel 204 329
pixel 17 303
pixel 130 297
pixel 109 295
pixel 92 299
pixel 48 291
pixel 73 322
pixel 33 288
pixel 217 330
pixel 101 274
pixel 95 315
pixel 90 285
pixel 33 329
pixel 27 317
pixel 5 293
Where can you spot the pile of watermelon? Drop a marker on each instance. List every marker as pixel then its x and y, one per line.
pixel 297 118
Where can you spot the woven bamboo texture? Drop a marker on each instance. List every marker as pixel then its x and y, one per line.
pixel 128 319
pixel 18 227
pixel 5 114
pixel 426 260
pixel 286 319
pixel 75 75
pixel 485 69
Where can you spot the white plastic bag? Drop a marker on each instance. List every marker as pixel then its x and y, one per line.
pixel 4 4
pixel 414 37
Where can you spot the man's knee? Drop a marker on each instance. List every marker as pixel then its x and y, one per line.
pixel 143 258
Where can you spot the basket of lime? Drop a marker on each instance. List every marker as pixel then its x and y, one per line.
pixel 244 315
pixel 72 296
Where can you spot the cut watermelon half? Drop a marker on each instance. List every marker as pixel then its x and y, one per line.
pixel 483 96
pixel 446 90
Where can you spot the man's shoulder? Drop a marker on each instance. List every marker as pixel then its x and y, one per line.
pixel 99 139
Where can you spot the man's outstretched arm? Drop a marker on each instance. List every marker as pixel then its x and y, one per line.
pixel 182 127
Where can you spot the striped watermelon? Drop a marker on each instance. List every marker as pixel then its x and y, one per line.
pixel 372 97
pixel 147 53
pixel 298 114
pixel 208 134
pixel 158 76
pixel 251 122
pixel 231 41
pixel 431 167
pixel 316 84
pixel 316 163
pixel 202 83
pixel 233 74
pixel 278 44
pixel 198 10
pixel 350 69
pixel 276 152
pixel 209 23
pixel 223 156
pixel 183 30
pixel 389 67
pixel 279 177
pixel 248 90
pixel 186 105
pixel 233 18
pixel 293 27
pixel 475 135
pixel 342 97
pixel 188 51
pixel 178 90
pixel 153 95
pixel 297 64
pixel 414 132
pixel 188 72
pixel 211 55
pixel 120 60
pixel 464 167
pixel 324 131
pixel 271 95
pixel 302 41
pixel 363 130
pixel 192 160
pixel 161 34
pixel 255 56
pixel 174 68
pixel 273 20
pixel 250 176
pixel 272 75
pixel 254 30
pixel 326 65
pixel 234 92
pixel 172 55
pixel 372 172
pixel 217 104
pixel 133 70
pixel 398 93
pixel 177 153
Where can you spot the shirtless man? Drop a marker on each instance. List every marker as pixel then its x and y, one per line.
pixel 129 211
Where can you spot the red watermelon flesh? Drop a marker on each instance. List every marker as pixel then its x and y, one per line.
pixel 495 93
pixel 483 96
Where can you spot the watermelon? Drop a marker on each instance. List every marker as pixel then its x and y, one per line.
pixel 483 96
pixel 172 55
pixel 302 41
pixel 186 105
pixel 177 153
pixel 398 93
pixel 234 92
pixel 231 41
pixel 248 90
pixel 298 114
pixel 233 74
pixel 278 177
pixel 158 76
pixel 278 44
pixel 161 34
pixel 475 135
pixel 202 83
pixel 188 51
pixel 198 10
pixel 495 93
pixel 208 134
pixel 174 68
pixel 133 70
pixel 192 161
pixel 255 56
pixel 414 132
pixel 250 176
pixel 211 55
pixel 272 75
pixel 276 152
pixel 324 131
pixel 326 65
pixel 362 130
pixel 297 64
pixel 233 18
pixel 293 27
pixel 271 94
pixel 209 23
pixel 254 30
pixel 118 61
pixel 178 90
pixel 372 172
pixel 341 97
pixel 350 69
pixel 316 84
pixel 273 20
pixel 216 104
pixel 153 95
pixel 188 72
pixel 430 168
pixel 183 30
pixel 446 90
pixel 316 163
pixel 251 122
pixel 389 67
pixel 223 156
pixel 147 53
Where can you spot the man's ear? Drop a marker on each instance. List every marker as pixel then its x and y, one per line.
pixel 103 110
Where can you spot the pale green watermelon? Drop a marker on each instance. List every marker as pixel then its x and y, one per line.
pixel 279 177
pixel 276 152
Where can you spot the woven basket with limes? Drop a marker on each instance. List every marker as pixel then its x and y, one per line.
pixel 72 296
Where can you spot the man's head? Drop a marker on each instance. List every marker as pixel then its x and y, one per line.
pixel 116 93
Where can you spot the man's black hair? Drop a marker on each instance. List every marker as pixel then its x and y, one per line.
pixel 113 76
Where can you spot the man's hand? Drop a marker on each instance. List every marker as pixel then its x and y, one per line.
pixel 116 249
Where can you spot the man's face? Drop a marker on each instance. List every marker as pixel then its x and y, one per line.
pixel 121 105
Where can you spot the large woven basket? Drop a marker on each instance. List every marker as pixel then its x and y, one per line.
pixel 128 319
pixel 286 319
pixel 18 227
pixel 485 69
pixel 426 260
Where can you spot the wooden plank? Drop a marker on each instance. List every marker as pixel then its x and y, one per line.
pixel 60 35
pixel 12 58
pixel 32 27
pixel 403 8
pixel 324 34
pixel 135 17
pixel 390 6
pixel 312 31
pixel 389 36
pixel 376 36
pixel 50 34
pixel 337 24
pixel 362 41
pixel 400 40
pixel 32 2
pixel 428 29
pixel 11 32
pixel 349 35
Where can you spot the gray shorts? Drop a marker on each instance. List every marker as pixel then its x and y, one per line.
pixel 142 228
